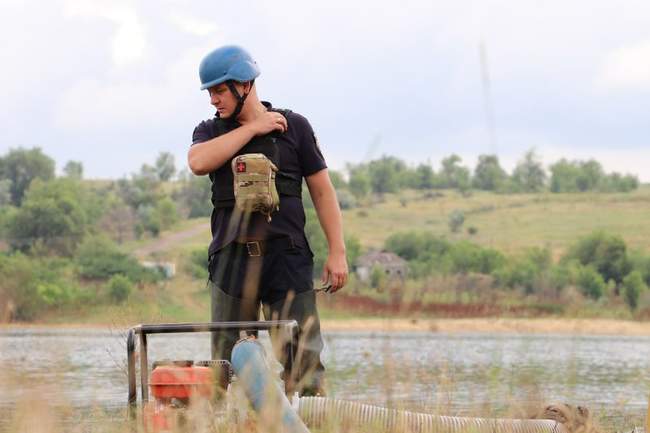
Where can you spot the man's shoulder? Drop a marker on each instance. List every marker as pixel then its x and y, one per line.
pixel 211 127
pixel 209 123
pixel 297 121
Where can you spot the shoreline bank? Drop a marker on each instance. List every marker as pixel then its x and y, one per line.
pixel 495 325
pixel 453 326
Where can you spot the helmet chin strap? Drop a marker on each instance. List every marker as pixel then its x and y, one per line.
pixel 240 98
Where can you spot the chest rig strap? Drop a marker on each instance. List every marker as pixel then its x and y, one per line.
pixel 223 195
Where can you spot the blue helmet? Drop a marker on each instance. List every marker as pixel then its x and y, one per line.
pixel 227 63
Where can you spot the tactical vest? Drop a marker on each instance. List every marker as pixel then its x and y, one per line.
pixel 223 195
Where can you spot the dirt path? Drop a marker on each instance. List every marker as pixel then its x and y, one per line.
pixel 170 240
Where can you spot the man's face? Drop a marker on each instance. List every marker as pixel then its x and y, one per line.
pixel 223 99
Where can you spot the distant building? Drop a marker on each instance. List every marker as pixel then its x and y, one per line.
pixel 393 265
pixel 168 269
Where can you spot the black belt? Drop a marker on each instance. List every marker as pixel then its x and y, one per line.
pixel 260 248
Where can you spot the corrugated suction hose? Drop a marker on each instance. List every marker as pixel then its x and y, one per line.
pixel 320 412
pixel 264 392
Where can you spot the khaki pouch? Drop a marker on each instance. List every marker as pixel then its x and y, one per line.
pixel 254 184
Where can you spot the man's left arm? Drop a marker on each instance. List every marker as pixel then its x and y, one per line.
pixel 329 214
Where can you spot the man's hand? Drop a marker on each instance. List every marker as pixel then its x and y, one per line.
pixel 268 122
pixel 335 271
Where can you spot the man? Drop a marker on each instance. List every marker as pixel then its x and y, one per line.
pixel 257 258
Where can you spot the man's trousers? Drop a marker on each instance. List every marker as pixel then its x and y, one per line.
pixel 276 275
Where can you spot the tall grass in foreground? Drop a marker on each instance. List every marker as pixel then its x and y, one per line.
pixel 520 397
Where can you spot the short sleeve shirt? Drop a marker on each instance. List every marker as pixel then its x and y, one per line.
pixel 299 156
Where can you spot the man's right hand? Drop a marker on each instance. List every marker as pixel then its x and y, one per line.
pixel 268 122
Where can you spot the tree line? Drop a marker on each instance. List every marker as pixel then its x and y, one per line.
pixel 60 235
pixel 390 174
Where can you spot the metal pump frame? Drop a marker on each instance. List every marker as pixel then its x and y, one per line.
pixel 172 328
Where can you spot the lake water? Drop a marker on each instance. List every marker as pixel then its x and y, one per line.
pixel 456 374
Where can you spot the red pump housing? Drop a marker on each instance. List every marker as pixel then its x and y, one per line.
pixel 181 382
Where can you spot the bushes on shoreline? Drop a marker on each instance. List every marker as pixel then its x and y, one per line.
pixel 597 265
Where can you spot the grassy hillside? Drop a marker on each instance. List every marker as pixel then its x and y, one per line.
pixel 509 223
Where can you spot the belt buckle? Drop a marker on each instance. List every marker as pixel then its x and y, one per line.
pixel 254 249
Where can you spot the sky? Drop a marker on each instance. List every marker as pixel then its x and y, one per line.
pixel 112 83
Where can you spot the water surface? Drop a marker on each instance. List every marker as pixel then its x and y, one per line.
pixel 456 374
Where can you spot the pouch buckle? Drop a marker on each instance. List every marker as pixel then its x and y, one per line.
pixel 254 249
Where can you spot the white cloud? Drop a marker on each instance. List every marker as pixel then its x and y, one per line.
pixel 626 68
pixel 192 25
pixel 96 105
pixel 410 73
pixel 116 103
pixel 129 42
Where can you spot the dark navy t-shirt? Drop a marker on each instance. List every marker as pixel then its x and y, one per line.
pixel 299 156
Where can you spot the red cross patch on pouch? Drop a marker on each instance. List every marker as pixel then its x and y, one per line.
pixel 241 167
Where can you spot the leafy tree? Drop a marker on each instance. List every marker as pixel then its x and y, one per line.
pixel 19 281
pixel 452 174
pixel 143 189
pixel 119 288
pixel 616 182
pixel 522 274
pixel 559 277
pixel 468 257
pixel 591 175
pixel 607 253
pixel 74 170
pixel 590 282
pixel 30 285
pixel 352 250
pixel 21 166
pixel 488 174
pixel 576 176
pixel 197 264
pixel 529 174
pixel 359 182
pixel 424 177
pixel 167 212
pixel 7 214
pixel 165 166
pixel 118 220
pixel 641 263
pixel 5 192
pixel 386 174
pixel 564 175
pixel 346 199
pixel 195 195
pixel 414 245
pixel 338 181
pixel 98 258
pixel 526 272
pixel 456 220
pixel 633 285
pixel 149 220
pixel 149 173
pixel 52 214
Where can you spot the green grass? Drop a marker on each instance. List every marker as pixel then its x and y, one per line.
pixel 509 223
